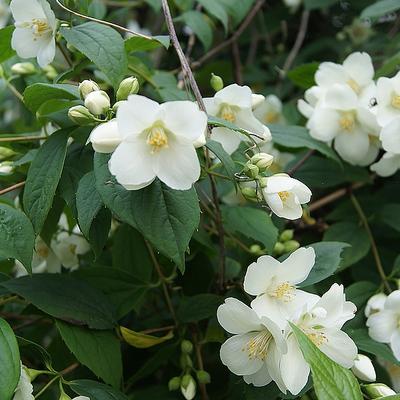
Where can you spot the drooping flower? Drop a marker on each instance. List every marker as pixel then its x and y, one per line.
pixel 234 104
pixel 274 284
pixel 256 347
pixel 35 28
pixel 285 195
pixel 24 389
pixel 105 138
pixel 157 141
pixel 388 99
pixel 388 165
pixel 269 111
pixel 322 324
pixel 384 325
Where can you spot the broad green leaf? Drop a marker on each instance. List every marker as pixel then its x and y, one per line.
pixel 355 236
pixel 6 50
pixel 251 222
pixel 99 231
pixel 170 221
pixel 141 340
pixel 137 43
pixel 379 8
pixel 10 367
pixel 331 381
pixel 314 4
pixel 56 111
pixel 303 75
pixel 17 238
pixel 197 21
pixel 297 137
pixel 360 292
pixel 237 10
pixel 43 177
pixel 34 350
pixel 196 308
pixel 216 9
pixel 102 45
pixel 96 390
pixel 223 156
pixel 327 261
pixel 389 66
pixel 390 215
pixel 37 94
pixel 65 298
pixel 100 351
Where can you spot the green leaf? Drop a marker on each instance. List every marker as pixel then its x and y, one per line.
pixel 143 341
pixel 6 50
pixel 95 390
pixel 10 367
pixel 66 298
pixel 379 8
pixel 296 137
pixel 100 351
pixel 99 231
pixel 355 236
pixel 314 4
pixel 170 221
pixel 237 9
pixel 37 94
pixel 223 156
pixel 17 238
pixel 138 43
pixel 303 75
pixel 331 381
pixel 252 223
pixel 196 308
pixel 216 9
pixel 34 350
pixel 43 177
pixel 327 261
pixel 102 45
pixel 197 21
pixel 360 292
pixel 389 214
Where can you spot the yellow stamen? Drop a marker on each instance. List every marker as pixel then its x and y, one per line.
pixel 354 85
pixel 42 251
pixel 257 347
pixel 157 138
pixel 271 117
pixel 318 338
pixel 72 248
pixel 285 292
pixel 284 195
pixel 396 101
pixel 227 113
pixel 347 122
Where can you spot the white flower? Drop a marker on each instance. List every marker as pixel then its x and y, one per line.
pixel 157 141
pixel 375 304
pixel 384 325
pixel 234 104
pixel 388 99
pixel 364 369
pixel 387 165
pixel 81 398
pixel 88 86
pixel 285 195
pixel 322 324
pixel 270 111
pixel 378 391
pixel 4 13
pixel 105 138
pixel 256 347
pixel 97 102
pixel 24 389
pixel 274 284
pixel 189 392
pixel 312 98
pixel 390 136
pixel 35 27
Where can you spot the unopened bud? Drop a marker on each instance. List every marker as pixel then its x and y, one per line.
pixel 251 170
pixel 286 235
pixel 127 87
pixel 6 168
pixel 33 373
pixel 291 245
pixel 98 102
pixel 64 396
pixel 216 82
pixel 105 138
pixel 203 377
pixel 256 249
pixel 186 347
pixel 50 72
pixel 5 153
pixel 279 248
pixel 262 160
pixel 364 369
pixel 185 361
pixel 249 193
pixel 174 383
pixel 377 390
pixel 256 100
pixel 375 304
pixel 81 115
pixel 25 68
pixel 263 182
pixel 87 86
pixel 188 387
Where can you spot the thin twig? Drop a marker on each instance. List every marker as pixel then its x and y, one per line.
pixel 374 248
pixel 200 364
pixel 65 54
pixel 300 163
pixel 237 63
pixel 69 369
pixel 155 330
pixel 22 138
pixel 11 188
pixel 15 91
pixel 47 386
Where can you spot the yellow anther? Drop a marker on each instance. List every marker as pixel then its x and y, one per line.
pixel 257 347
pixel 354 85
pixel 157 138
pixel 347 122
pixel 72 248
pixel 284 195
pixel 42 251
pixel 285 292
pixel 396 101
pixel 271 117
pixel 227 113
pixel 318 338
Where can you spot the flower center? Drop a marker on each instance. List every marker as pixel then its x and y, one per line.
pixel 157 138
pixel 284 195
pixel 39 27
pixel 72 248
pixel 318 338
pixel 271 117
pixel 396 101
pixel 284 291
pixel 347 122
pixel 354 85
pixel 257 346
pixel 227 113
pixel 42 251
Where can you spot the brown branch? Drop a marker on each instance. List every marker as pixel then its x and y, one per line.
pixel 11 188
pixel 200 364
pixel 237 63
pixel 22 138
pixel 69 369
pixel 300 163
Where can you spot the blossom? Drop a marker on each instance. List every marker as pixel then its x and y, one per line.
pixel 4 13
pixel 390 136
pixel 35 28
pixel 188 389
pixel 285 195
pixel 256 346
pixel 387 165
pixel 364 369
pixel 388 99
pixel 322 323
pixel 274 284
pixel 97 102
pixel 375 304
pixel 24 389
pixel 105 138
pixel 384 324
pixel 269 111
pixel 234 104
pixel 157 141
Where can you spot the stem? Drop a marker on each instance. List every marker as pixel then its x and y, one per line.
pixel 200 364
pixel 14 90
pixel 374 248
pixel 47 386
pixel 22 138
pixel 300 163
pixel 8 300
pixel 65 54
pixel 69 369
pixel 154 330
pixel 11 188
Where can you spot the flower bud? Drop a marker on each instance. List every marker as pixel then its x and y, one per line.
pixel 262 160
pixel 64 396
pixel 50 72
pixel 256 100
pixel 364 369
pixel 185 361
pixel 105 138
pixel 87 86
pixel 81 115
pixel 174 383
pixel 25 68
pixel 6 168
pixel 375 304
pixel 377 390
pixel 251 170
pixel 188 387
pixel 256 249
pixel 286 235
pixel 279 248
pixel 249 193
pixel 127 87
pixel 216 82
pixel 5 153
pixel 291 245
pixel 186 347
pixel 98 102
pixel 203 377
pixel 33 373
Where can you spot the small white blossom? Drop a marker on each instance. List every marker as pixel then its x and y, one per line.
pixel 24 389
pixel 269 111
pixel 390 136
pixel 388 165
pixel 364 369
pixel 375 304
pixel 105 138
pixel 97 102
pixel 388 99
pixel 35 28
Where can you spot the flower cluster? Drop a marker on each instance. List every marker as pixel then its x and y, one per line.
pixel 263 347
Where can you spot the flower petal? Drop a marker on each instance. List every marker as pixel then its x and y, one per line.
pixel 387 165
pixel 330 73
pixel 395 344
pixel 352 146
pixel 229 139
pixel 235 95
pixel 341 97
pixel 382 325
pixel 297 266
pixel 23 43
pixel 393 301
pixel 324 124
pixel 359 67
pixel 260 378
pixel 24 11
pixel 46 52
pixel 390 136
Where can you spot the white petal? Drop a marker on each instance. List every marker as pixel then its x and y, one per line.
pixel 352 146
pixel 393 302
pixel 276 332
pixel 23 10
pixel 395 344
pixel 260 378
pixel 390 136
pixel 373 151
pixel 245 119
pixel 324 124
pixel 273 362
pixel 296 268
pixel 50 16
pixel 235 95
pixel 276 310
pixel 341 97
pixel 228 138
pixel 280 183
pixel 237 318
pixel 387 165
pixel 330 73
pixel 23 43
pixel 305 109
pixel 368 121
pixel 105 137
pixel 302 192
pixel 384 91
pixel 359 67
pixel 382 325
pixel 212 106
pixel 47 52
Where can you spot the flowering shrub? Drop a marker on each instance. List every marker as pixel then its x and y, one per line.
pixel 198 199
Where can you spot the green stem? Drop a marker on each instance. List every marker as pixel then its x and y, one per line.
pixel 47 386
